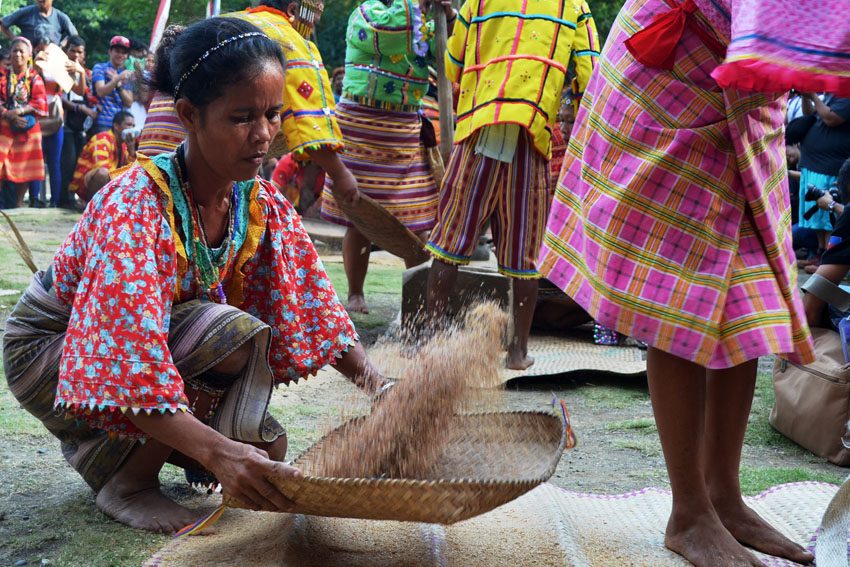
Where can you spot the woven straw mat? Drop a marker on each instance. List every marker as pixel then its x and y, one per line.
pixel 548 526
pixel 479 470
pixel 381 227
pixel 553 354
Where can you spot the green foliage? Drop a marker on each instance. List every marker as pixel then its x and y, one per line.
pixel 98 20
pixel 604 13
pixel 330 32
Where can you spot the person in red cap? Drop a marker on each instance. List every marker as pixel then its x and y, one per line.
pixel 112 84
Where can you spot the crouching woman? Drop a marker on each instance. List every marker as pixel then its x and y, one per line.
pixel 185 293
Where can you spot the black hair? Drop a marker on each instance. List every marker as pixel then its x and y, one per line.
pixel 75 41
pixel 41 36
pixel 121 116
pixel 5 53
pixel 229 64
pixel 136 45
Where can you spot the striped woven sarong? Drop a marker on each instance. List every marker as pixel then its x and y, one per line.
pixel 671 222
pixel 201 335
pixel 22 159
pixel 163 131
pixel 385 155
pixel 513 196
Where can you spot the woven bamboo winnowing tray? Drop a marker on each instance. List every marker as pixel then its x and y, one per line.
pixel 381 227
pixel 478 471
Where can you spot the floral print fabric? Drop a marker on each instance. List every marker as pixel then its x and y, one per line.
pixel 124 266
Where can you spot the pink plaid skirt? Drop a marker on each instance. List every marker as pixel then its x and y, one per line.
pixel 779 45
pixel 671 222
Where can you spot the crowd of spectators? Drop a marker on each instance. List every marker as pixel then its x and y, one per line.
pixel 818 151
pixel 59 138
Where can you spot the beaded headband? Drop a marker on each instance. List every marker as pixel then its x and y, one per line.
pixel 209 52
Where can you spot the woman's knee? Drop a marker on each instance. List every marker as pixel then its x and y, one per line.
pixel 236 361
pixel 276 449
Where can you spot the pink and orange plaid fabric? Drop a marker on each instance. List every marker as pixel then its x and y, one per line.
pixel 671 222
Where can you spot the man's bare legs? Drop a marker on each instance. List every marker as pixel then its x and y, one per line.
pixel 729 395
pixel 524 303
pixel 355 257
pixel 441 283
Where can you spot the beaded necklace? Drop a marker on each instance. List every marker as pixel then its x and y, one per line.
pixel 211 266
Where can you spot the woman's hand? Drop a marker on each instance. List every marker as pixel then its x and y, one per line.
pixel 344 184
pixel 242 469
pixel 244 472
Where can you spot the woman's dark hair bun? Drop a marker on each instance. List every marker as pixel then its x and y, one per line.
pixel 161 77
pixel 227 63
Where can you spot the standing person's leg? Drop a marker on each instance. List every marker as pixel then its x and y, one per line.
pixel 19 190
pixel 7 197
pixel 729 396
pixel 68 163
pixel 467 201
pixel 52 155
pixel 37 191
pixel 678 391
pixel 518 229
pixel 524 303
pixel 356 249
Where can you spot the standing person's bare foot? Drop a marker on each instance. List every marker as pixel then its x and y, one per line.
pixel 751 530
pixel 357 304
pixel 518 360
pixel 702 540
pixel 142 506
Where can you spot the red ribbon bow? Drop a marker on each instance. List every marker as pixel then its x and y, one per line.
pixel 655 45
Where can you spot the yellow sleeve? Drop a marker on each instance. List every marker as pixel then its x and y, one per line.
pixel 309 114
pixel 585 49
pixel 456 46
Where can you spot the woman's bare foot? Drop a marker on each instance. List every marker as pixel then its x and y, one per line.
pixel 518 360
pixel 702 540
pixel 751 530
pixel 142 506
pixel 357 304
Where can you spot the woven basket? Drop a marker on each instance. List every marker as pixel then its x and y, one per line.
pixel 278 147
pixel 477 472
pixel 381 227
